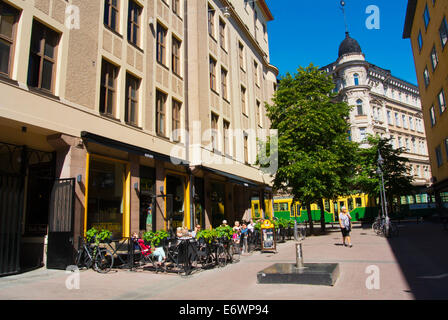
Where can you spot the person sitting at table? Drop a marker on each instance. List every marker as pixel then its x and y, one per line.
pixel 196 230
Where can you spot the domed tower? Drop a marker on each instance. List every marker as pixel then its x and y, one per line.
pixel 351 78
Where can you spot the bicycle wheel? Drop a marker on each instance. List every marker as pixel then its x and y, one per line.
pixel 104 260
pixel 235 252
pixel 83 260
pixel 221 256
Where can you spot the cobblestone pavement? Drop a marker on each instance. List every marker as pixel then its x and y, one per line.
pixel 413 265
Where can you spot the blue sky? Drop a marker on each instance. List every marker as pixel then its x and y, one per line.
pixel 305 31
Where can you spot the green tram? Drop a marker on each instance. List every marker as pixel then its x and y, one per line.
pixel 361 208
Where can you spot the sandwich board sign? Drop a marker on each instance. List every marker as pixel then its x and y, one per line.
pixel 268 237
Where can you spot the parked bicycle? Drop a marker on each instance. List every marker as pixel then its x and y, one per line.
pixel 92 255
pixel 384 228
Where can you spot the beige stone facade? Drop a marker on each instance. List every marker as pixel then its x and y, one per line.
pixel 101 87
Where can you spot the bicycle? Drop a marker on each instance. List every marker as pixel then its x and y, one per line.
pixel 91 255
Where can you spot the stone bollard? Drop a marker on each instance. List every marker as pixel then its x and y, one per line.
pixel 299 256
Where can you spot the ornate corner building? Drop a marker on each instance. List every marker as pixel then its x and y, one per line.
pixel 383 105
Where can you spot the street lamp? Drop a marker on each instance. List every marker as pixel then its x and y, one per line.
pixel 383 193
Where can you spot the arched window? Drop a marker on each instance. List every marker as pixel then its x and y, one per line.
pixel 359 107
pixel 356 79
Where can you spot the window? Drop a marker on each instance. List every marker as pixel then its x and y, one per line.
pixel 434 58
pixel 214 136
pixel 134 13
pixel 175 56
pixel 389 117
pixel 403 118
pixel 131 107
pixel 443 32
pixel 111 14
pixel 256 75
pixel 442 101
pixel 408 147
pixel 108 94
pixel 212 70
pixel 224 83
pixel 160 113
pixel 446 147
pixel 226 126
pixel 246 148
pixel 161 44
pixel 426 77
pixel 356 79
pixel 358 202
pixel 411 123
pixel 426 17
pixel 176 127
pixel 222 34
pixel 259 115
pixel 241 55
pixel 243 101
pixel 359 107
pixel 420 40
pixel 439 156
pixel 397 119
pixel 41 68
pixel 211 21
pixel 8 20
pixel 432 116
pixel 392 141
pixel 362 134
pixel 400 142
pixel 176 7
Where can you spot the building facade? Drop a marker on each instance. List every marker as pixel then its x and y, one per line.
pixel 383 105
pixel 123 114
pixel 427 28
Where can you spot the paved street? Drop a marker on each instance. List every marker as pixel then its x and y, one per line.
pixel 412 266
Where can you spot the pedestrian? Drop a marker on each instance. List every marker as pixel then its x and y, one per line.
pixel 344 222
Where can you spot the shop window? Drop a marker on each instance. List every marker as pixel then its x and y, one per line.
pixel 175 186
pixel 217 198
pixel 147 200
pixel 106 203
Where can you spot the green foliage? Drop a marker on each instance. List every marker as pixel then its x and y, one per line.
pixel 207 235
pixel 155 238
pixel 98 236
pixel 395 169
pixel 224 231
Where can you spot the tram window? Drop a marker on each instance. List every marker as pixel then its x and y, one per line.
pixel 425 198
pixel 276 207
pixel 410 199
pixel 358 202
pixel 403 200
pixel 284 206
pixel 327 205
pixel 418 198
pixel 444 196
pixel 350 204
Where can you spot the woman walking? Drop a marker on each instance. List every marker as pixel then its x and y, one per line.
pixel 344 222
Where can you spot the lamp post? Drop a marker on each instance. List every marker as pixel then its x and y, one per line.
pixel 383 193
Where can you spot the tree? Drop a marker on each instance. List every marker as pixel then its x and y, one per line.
pixel 397 180
pixel 314 152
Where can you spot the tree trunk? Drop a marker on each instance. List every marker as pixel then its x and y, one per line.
pixel 310 218
pixel 322 215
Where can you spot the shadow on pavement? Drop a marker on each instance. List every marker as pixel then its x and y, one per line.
pixel 421 251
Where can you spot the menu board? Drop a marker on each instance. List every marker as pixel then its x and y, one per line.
pixel 268 236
